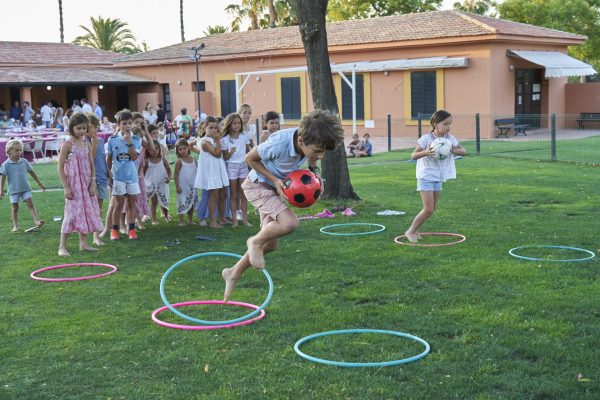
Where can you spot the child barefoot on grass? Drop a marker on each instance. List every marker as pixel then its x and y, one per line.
pixel 431 172
pixel 15 169
pixel 77 175
pixel 271 161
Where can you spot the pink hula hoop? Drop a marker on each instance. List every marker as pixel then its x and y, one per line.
pixel 112 268
pixel 398 239
pixel 206 327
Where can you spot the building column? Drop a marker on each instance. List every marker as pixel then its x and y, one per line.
pixel 25 94
pixel 91 93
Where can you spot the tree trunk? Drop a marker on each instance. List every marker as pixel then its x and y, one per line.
pixel 181 20
pixel 272 14
pixel 62 28
pixel 311 15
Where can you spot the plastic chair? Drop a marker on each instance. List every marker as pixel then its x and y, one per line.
pixel 38 147
pixel 53 146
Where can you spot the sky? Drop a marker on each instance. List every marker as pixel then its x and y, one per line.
pixel 155 22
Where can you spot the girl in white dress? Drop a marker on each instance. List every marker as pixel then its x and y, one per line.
pixel 157 175
pixel 212 173
pixel 185 174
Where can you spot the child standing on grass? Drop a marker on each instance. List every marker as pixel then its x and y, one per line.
pixel 271 125
pixel 123 150
pixel 431 173
pixel 235 145
pixel 100 167
pixel 271 161
pixel 185 173
pixel 157 175
pixel 15 169
pixel 212 172
pixel 78 177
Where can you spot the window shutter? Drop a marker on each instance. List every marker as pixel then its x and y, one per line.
pixel 347 97
pixel 228 104
pixel 423 93
pixel 290 97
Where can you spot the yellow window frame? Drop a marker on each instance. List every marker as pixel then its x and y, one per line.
pixel 439 94
pixel 278 97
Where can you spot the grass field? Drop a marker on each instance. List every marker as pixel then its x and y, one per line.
pixel 499 327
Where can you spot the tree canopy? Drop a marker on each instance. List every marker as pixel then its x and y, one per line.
pixel 108 34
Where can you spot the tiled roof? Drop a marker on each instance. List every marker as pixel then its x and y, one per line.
pixel 56 76
pixel 429 25
pixel 27 53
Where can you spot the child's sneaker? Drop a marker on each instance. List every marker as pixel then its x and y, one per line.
pixel 132 234
pixel 325 214
pixel 114 234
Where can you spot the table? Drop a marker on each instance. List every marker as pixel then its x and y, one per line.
pixel 29 134
pixel 28 156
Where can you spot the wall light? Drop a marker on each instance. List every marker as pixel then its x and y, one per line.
pixel 100 87
pixel 48 87
pixel 511 67
pixel 179 83
pixel 386 73
pixel 258 79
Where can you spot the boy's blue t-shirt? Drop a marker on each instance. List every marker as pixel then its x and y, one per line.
pixel 16 173
pixel 124 169
pixel 278 155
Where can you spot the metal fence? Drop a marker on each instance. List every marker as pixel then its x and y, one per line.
pixel 542 137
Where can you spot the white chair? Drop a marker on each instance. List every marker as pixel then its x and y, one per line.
pixel 36 146
pixel 53 146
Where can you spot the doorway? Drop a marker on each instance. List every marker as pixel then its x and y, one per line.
pixel 528 96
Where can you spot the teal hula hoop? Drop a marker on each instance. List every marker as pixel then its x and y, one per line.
pixel 201 321
pixel 325 229
pixel 513 253
pixel 365 364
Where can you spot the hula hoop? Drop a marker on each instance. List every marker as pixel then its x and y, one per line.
pixel 200 321
pixel 398 239
pixel 206 327
pixel 513 253
pixel 34 274
pixel 325 229
pixel 366 364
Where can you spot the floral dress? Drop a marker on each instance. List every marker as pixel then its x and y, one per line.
pixel 188 197
pixel 155 182
pixel 82 213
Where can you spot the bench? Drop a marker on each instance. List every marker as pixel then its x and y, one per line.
pixel 504 125
pixel 587 117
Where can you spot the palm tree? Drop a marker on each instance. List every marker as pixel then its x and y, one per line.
pixel 108 34
pixel 249 9
pixel 215 30
pixel 181 20
pixel 62 28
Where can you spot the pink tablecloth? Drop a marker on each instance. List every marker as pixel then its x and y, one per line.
pixel 27 155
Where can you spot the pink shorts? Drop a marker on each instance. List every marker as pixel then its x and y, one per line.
pixel 265 199
pixel 237 170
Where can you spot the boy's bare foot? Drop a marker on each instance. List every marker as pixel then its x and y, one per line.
pixel 215 225
pixel 227 274
pixel 411 237
pixel 86 247
pixel 40 223
pixel 419 237
pixel 63 252
pixel 246 223
pixel 98 242
pixel 15 229
pixel 255 254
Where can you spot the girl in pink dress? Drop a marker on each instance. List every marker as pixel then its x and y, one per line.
pixel 76 171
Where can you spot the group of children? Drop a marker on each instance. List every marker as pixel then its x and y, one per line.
pixel 227 159
pixel 360 148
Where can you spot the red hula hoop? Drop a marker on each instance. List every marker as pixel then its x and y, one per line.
pixel 34 274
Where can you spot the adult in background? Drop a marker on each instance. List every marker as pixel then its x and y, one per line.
pixel 27 113
pixel 149 114
pixel 15 112
pixel 98 111
pixel 184 123
pixel 160 114
pixel 47 114
pixel 75 107
pixel 85 107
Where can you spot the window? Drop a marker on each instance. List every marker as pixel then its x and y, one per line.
pixel 167 100
pixel 227 90
pixel 202 86
pixel 423 93
pixel 347 98
pixel 291 98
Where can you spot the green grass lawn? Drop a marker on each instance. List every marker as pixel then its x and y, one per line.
pixel 499 327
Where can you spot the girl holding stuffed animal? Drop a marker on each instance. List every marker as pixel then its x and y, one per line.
pixel 432 170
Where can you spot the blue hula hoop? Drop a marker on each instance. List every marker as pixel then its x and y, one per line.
pixel 325 229
pixel 365 364
pixel 513 253
pixel 201 321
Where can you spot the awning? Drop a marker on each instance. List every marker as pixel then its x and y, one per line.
pixel 557 64
pixel 41 76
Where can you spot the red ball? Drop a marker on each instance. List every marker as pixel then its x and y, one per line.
pixel 302 188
